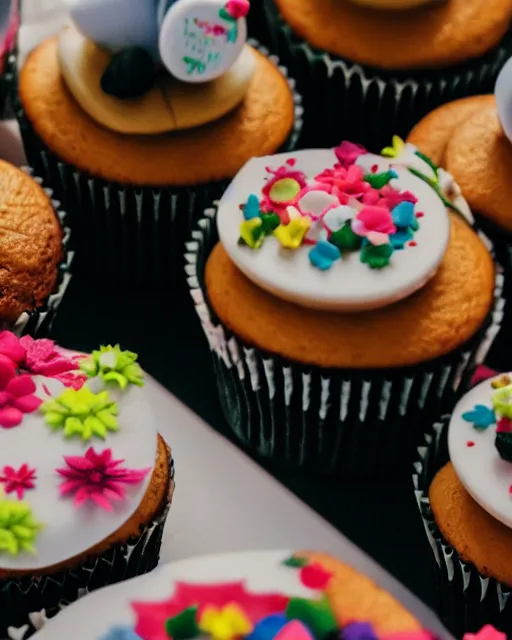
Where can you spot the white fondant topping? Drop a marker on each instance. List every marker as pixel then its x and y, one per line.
pixel 68 531
pixel 349 285
pixel 194 43
pixel 503 95
pixel 91 618
pixel 485 476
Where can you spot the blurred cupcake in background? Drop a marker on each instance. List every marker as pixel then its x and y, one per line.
pixel 139 115
pixel 463 485
pixel 35 265
pixel 347 304
pixel 372 68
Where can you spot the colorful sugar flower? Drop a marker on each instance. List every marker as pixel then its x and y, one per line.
pixel 18 528
pixel 16 397
pixel 114 366
pixel 344 182
pixel 281 191
pixel 18 480
pixel 375 224
pixel 348 152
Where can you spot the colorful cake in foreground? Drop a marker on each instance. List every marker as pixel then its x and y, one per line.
pixel 255 595
pixel 160 97
pixel 345 303
pixel 464 489
pixel 85 479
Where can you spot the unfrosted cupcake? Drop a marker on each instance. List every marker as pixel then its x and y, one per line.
pixel 140 114
pixel 371 68
pixel 35 261
pixel 463 484
pixel 85 479
pixel 344 305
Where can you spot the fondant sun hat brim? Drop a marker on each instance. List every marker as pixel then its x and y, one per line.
pixel 147 190
pixel 372 98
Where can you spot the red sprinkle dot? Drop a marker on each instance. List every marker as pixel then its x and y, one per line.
pixel 46 390
pixel 413 244
pixel 420 214
pixel 374 168
pixel 291 162
pixel 241 207
pixel 470 443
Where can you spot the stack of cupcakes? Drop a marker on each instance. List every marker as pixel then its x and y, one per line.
pixel 85 479
pixel 463 484
pixel 371 68
pixel 347 304
pixel 139 118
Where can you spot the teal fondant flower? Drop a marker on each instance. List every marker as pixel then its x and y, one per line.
pixel 81 413
pixel 114 366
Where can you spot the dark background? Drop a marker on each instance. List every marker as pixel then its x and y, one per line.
pixel 382 518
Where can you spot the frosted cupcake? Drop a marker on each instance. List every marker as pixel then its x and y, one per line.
pixel 463 484
pixel 85 479
pixel 345 304
pixel 139 115
pixel 371 68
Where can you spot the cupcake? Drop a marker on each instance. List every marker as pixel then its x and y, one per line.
pixel 463 484
pixel 344 304
pixel 85 479
pixel 371 68
pixel 253 595
pixel 140 115
pixel 9 22
pixel 35 262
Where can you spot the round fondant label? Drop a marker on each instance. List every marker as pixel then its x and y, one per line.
pixel 201 39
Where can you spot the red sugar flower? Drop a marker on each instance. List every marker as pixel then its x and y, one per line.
pixel 348 152
pixel 373 220
pixel 504 425
pixel 16 397
pixel 97 477
pixel 18 481
pixel 343 182
pixel 237 8
pixel 43 358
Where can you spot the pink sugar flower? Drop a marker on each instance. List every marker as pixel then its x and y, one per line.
pixel 348 152
pixel 269 203
pixel 18 480
pixel 344 183
pixel 237 8
pixel 16 398
pixel 97 477
pixel 374 223
pixel 10 347
pixel 45 359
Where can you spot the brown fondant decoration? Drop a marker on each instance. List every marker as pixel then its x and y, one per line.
pixel 258 126
pixel 436 320
pixel 477 536
pixel 353 596
pixel 424 38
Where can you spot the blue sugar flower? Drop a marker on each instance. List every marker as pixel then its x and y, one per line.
pixel 403 216
pixel 120 633
pixel 323 255
pixel 481 417
pixel 401 238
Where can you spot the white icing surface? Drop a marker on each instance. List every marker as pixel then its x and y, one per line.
pixel 503 95
pixel 181 37
pixel 91 617
pixel 349 285
pixel 480 469
pixel 68 531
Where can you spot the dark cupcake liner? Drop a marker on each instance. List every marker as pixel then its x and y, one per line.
pixel 8 65
pixel 38 322
pixel 358 423
pixel 26 604
pixel 344 100
pixel 466 599
pixel 134 235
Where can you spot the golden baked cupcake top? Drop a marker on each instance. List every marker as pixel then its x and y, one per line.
pixel 336 257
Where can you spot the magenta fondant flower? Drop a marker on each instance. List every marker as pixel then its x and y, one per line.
pixel 18 480
pixel 42 357
pixel 281 191
pixel 374 223
pixel 16 398
pixel 11 348
pixel 152 616
pixel 237 8
pixel 344 183
pixel 348 152
pixel 97 477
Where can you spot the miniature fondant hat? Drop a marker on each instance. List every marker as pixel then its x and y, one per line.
pixel 118 24
pixel 503 94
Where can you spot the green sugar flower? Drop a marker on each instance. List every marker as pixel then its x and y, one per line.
pixel 114 365
pixel 18 529
pixel 502 402
pixel 81 412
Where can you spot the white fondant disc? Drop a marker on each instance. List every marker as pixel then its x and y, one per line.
pixel 503 95
pixel 91 618
pixel 196 44
pixel 68 531
pixel 349 285
pixel 485 476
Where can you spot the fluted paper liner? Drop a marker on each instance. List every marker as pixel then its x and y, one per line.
pixel 467 599
pixel 132 234
pixel 362 423
pixel 344 100
pixel 29 602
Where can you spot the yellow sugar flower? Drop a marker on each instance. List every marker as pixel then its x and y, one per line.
pixel 228 623
pixel 292 234
pixel 395 149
